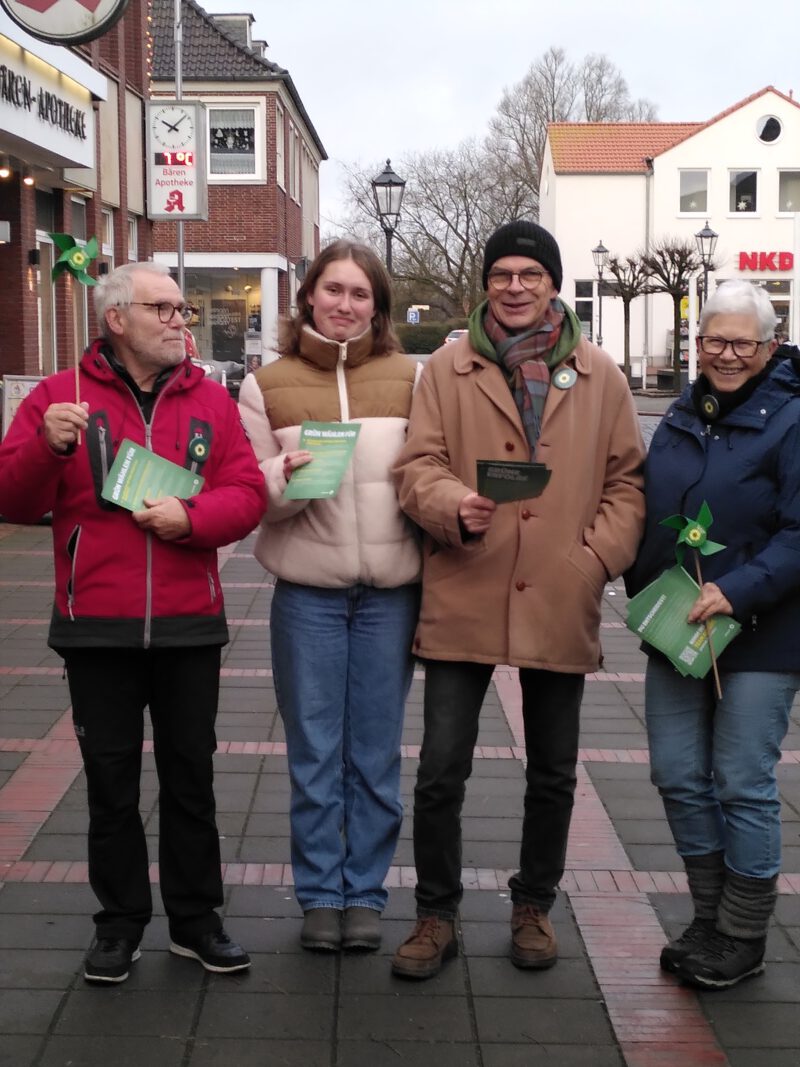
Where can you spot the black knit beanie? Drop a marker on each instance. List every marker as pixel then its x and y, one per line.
pixel 523 238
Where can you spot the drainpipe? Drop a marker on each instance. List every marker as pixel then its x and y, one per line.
pixel 648 160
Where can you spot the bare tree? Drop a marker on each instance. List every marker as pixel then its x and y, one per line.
pixel 633 279
pixel 557 90
pixel 671 262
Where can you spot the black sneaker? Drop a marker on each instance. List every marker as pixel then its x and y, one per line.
pixel 214 950
pixel 110 959
pixel 693 938
pixel 723 961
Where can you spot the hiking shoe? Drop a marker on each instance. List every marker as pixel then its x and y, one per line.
pixel 110 958
pixel 432 941
pixel 322 929
pixel 215 950
pixel 533 940
pixel 723 961
pixel 693 938
pixel 361 929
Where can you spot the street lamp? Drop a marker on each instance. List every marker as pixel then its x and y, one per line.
pixel 600 257
pixel 388 189
pixel 706 244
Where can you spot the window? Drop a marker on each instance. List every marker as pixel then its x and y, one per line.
pixel 232 141
pixel 107 244
pixel 78 219
pixel 280 141
pixel 694 191
pixel 293 179
pixel 583 306
pixel 743 190
pixel 768 129
pixel 789 190
pixel 133 238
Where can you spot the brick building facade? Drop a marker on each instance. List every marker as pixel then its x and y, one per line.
pixel 85 178
pixel 242 266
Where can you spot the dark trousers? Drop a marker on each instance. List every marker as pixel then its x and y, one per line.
pixel 110 689
pixel 454 693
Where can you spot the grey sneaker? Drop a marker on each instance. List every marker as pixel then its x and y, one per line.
pixel 110 959
pixel 214 950
pixel 361 929
pixel 322 930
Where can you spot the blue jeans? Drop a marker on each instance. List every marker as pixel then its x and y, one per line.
pixel 714 762
pixel 341 660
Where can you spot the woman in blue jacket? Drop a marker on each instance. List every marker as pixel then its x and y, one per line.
pixel 732 439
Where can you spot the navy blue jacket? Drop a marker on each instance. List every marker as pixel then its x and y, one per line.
pixel 747 466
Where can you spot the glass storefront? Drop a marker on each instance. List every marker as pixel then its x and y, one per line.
pixel 227 328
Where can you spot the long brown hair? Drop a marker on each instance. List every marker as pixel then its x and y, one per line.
pixel 385 339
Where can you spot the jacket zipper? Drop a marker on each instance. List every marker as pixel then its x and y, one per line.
pixel 101 433
pixel 73 568
pixel 148 444
pixel 211 587
pixel 344 403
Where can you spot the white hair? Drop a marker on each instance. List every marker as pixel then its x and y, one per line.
pixel 116 289
pixel 739 297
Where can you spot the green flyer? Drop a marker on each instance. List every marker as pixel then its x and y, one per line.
pixel 331 444
pixel 658 615
pixel 137 473
pixel 502 481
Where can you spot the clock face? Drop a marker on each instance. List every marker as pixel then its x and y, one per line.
pixel 173 127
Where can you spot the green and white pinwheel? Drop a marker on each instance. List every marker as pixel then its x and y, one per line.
pixel 74 258
pixel 693 533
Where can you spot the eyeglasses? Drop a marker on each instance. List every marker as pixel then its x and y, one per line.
pixel 742 347
pixel 529 279
pixel 166 310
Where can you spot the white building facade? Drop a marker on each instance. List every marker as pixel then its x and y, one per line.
pixel 629 185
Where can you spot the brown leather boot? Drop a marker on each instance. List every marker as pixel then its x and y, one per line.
pixel 533 940
pixel 433 940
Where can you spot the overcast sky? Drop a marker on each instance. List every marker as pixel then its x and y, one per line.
pixel 391 77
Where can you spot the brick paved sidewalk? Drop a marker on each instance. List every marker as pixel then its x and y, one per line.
pixel 606 1004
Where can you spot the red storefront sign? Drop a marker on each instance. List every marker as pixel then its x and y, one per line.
pixel 766 260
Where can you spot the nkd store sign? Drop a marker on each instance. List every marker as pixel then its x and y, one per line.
pixel 18 90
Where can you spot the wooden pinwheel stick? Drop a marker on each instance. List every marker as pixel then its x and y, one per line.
pixel 717 683
pixel 77 361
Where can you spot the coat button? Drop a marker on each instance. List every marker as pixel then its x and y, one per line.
pixel 520 586
pixel 509 446
pixel 526 514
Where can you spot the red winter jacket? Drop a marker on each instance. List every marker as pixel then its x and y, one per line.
pixel 116 585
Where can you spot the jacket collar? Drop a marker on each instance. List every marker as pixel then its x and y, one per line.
pixel 776 390
pixel 325 353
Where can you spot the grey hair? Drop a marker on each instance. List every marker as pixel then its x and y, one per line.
pixel 116 289
pixel 738 297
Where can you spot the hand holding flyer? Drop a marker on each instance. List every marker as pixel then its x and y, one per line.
pixel 331 445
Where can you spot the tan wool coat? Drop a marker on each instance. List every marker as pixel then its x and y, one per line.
pixel 527 593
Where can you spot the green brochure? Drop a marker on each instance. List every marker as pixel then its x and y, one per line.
pixel 502 482
pixel 658 615
pixel 331 444
pixel 137 473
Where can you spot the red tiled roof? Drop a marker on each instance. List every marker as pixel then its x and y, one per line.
pixel 622 147
pixel 612 147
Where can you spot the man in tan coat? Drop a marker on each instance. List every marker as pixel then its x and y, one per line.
pixel 516 583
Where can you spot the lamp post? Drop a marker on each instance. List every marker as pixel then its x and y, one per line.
pixel 706 241
pixel 387 188
pixel 600 257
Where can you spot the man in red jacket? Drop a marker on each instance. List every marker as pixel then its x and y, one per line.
pixel 138 614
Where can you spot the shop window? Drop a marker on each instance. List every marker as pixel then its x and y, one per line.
pixel 743 190
pixel 78 230
pixel 789 190
pixel 45 211
pixel 232 142
pixel 694 191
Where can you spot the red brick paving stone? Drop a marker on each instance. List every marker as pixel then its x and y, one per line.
pixel 621 932
pixel 58 871
pixel 233 873
pixel 78 872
